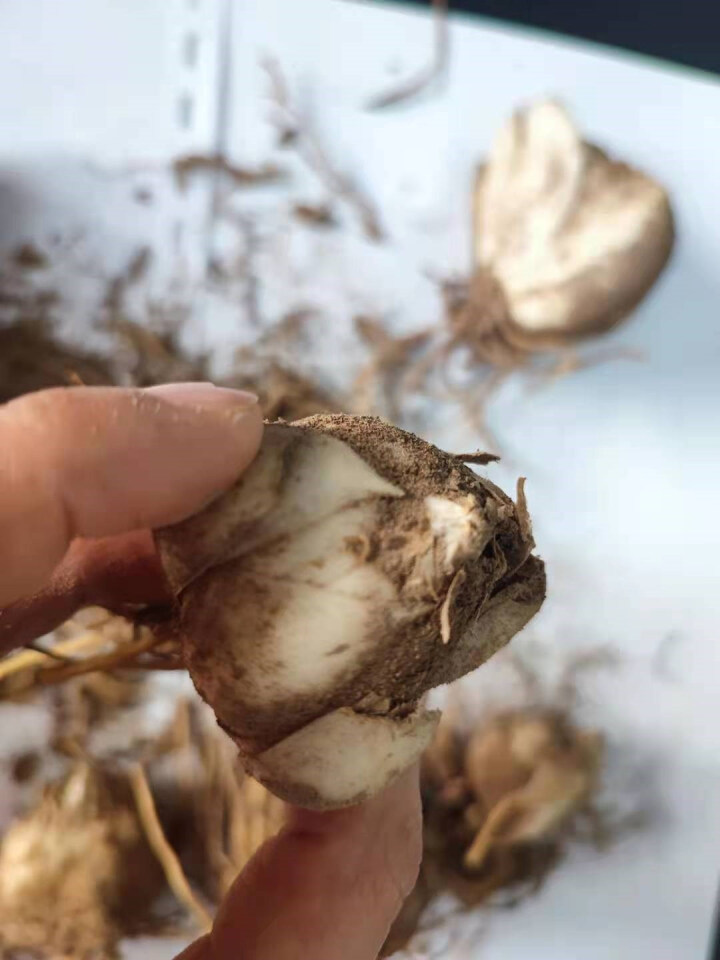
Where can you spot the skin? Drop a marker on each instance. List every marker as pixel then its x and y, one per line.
pixel 85 473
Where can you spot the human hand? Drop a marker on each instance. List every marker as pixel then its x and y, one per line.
pixel 85 474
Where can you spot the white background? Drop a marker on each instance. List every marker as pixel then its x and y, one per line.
pixel 622 461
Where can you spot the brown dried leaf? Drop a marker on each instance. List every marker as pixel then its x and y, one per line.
pixel 522 511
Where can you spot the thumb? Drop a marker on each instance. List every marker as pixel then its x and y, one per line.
pixel 328 887
pixel 97 462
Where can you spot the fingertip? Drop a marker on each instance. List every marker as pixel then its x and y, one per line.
pixel 232 419
pixel 203 394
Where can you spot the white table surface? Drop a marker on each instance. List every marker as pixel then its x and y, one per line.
pixel 622 461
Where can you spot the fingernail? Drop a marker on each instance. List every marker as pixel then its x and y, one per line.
pixel 204 394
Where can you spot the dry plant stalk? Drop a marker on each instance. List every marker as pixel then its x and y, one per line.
pixel 166 856
pixel 503 797
pixel 19 670
pixel 95 642
pixel 215 816
pixel 351 569
pixel 122 656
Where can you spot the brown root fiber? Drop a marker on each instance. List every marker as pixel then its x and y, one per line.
pixel 32 359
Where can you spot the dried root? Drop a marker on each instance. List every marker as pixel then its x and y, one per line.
pixel 166 856
pixel 31 358
pixel 265 367
pixel 315 214
pixel 146 352
pixel 107 644
pixel 412 87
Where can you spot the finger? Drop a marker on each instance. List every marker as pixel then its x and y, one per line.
pixel 118 573
pixel 99 461
pixel 328 886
